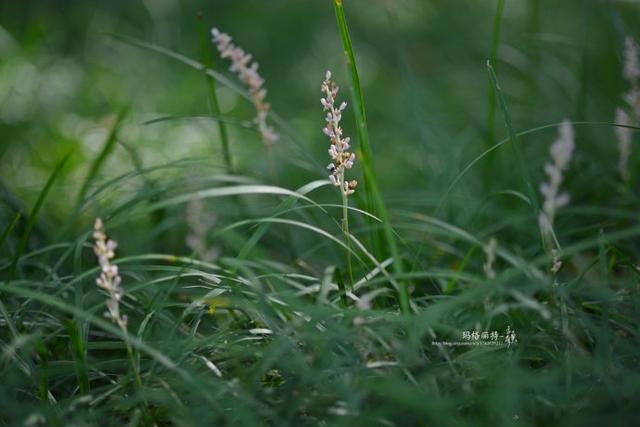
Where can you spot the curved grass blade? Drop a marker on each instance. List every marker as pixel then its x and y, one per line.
pixel 215 117
pixel 95 168
pixel 33 216
pixel 229 191
pixel 513 139
pixel 284 206
pixel 102 157
pixel 10 228
pixel 482 155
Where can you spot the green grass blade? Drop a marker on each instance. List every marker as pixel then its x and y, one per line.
pixel 515 144
pixel 102 157
pixel 499 144
pixel 97 164
pixel 375 202
pixel 284 206
pixel 79 356
pixel 214 105
pixel 7 231
pixel 33 216
pixel 216 118
pixel 43 389
pixel 228 191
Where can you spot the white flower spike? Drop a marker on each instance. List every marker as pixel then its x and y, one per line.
pixel 247 72
pixel 342 159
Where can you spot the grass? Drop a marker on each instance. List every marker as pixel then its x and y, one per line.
pixel 375 203
pixel 313 310
pixel 214 104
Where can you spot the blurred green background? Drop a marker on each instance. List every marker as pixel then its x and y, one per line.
pixel 63 78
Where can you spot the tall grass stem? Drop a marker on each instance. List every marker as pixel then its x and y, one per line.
pixel 214 105
pixel 374 201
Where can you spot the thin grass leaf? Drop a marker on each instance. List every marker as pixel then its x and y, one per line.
pixel 375 202
pixel 215 117
pixel 79 357
pixel 284 206
pixel 482 155
pixel 515 144
pixel 102 157
pixel 214 105
pixel 229 191
pixel 33 215
pixel 7 231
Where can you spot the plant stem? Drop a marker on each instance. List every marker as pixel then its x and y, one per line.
pixel 345 229
pixel 517 149
pixel 374 200
pixel 214 105
pixel 134 367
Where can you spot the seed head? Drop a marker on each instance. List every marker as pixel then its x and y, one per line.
pixel 247 72
pixel 561 152
pixel 339 152
pixel 109 280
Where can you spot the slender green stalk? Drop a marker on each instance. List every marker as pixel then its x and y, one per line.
pixel 43 389
pixel 97 164
pixel 517 149
pixel 33 216
pixel 374 200
pixel 79 357
pixel 491 117
pixel 134 365
pixel 214 105
pixel 7 231
pixel 344 301
pixel 345 229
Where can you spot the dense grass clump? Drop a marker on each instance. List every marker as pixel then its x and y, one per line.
pixel 174 249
